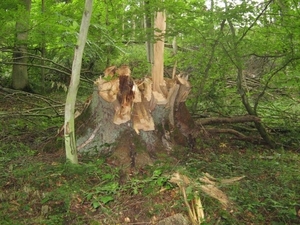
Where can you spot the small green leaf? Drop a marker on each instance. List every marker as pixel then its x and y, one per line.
pixel 156 173
pixel 89 196
pixel 95 204
pixel 75 24
pixel 106 199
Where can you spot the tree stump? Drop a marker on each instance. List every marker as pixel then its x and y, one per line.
pixel 126 118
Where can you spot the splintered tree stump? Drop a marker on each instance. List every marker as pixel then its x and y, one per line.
pixel 126 118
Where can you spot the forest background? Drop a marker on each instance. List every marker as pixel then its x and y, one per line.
pixel 241 57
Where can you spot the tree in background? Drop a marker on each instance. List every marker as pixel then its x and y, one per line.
pixel 20 57
pixel 266 36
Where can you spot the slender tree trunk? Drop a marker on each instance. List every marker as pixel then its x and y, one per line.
pixel 43 51
pixel 19 72
pixel 69 127
pixel 252 110
pixel 148 27
pixel 237 59
pixel 209 64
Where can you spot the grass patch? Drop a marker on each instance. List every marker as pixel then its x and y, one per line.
pixel 38 187
pixel 42 189
pixel 267 195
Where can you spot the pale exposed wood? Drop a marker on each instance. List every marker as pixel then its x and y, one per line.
pixel 120 91
pixel 185 88
pixel 216 193
pixel 158 64
pixel 142 119
pixel 108 89
pixel 164 89
pixel 122 115
pixel 174 70
pixel 110 71
pixel 124 70
pixel 135 100
pixel 147 88
pixel 137 93
pixel 125 95
pixel 160 98
pixel 171 102
pixel 194 205
pixel 152 103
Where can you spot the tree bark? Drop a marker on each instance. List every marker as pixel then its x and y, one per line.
pixel 148 27
pixel 43 51
pixel 19 72
pixel 131 125
pixel 69 127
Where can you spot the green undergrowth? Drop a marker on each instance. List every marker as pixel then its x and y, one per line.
pixel 269 192
pixel 40 188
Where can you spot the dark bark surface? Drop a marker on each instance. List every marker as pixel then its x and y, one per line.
pixel 96 133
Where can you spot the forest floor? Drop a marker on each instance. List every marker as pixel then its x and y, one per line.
pixel 38 187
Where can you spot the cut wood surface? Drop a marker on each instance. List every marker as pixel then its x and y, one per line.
pixel 134 100
pixel 158 64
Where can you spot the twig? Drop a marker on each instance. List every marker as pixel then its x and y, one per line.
pixel 236 119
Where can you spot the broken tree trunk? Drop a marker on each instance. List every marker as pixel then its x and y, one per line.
pixel 123 114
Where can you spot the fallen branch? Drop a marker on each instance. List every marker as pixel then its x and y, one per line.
pixel 209 185
pixel 66 73
pixel 35 112
pixel 194 206
pixel 230 131
pixel 32 104
pixel 27 94
pixel 237 119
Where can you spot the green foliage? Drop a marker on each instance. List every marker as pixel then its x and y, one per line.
pixel 135 57
pixel 51 191
pixel 259 192
pixel 105 191
pixel 148 185
pixel 109 188
pixel 206 53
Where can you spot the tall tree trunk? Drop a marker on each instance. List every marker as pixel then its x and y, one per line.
pixel 252 110
pixel 158 55
pixel 19 70
pixel 148 27
pixel 43 51
pixel 69 127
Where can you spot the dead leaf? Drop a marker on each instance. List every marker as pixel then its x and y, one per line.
pixel 216 193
